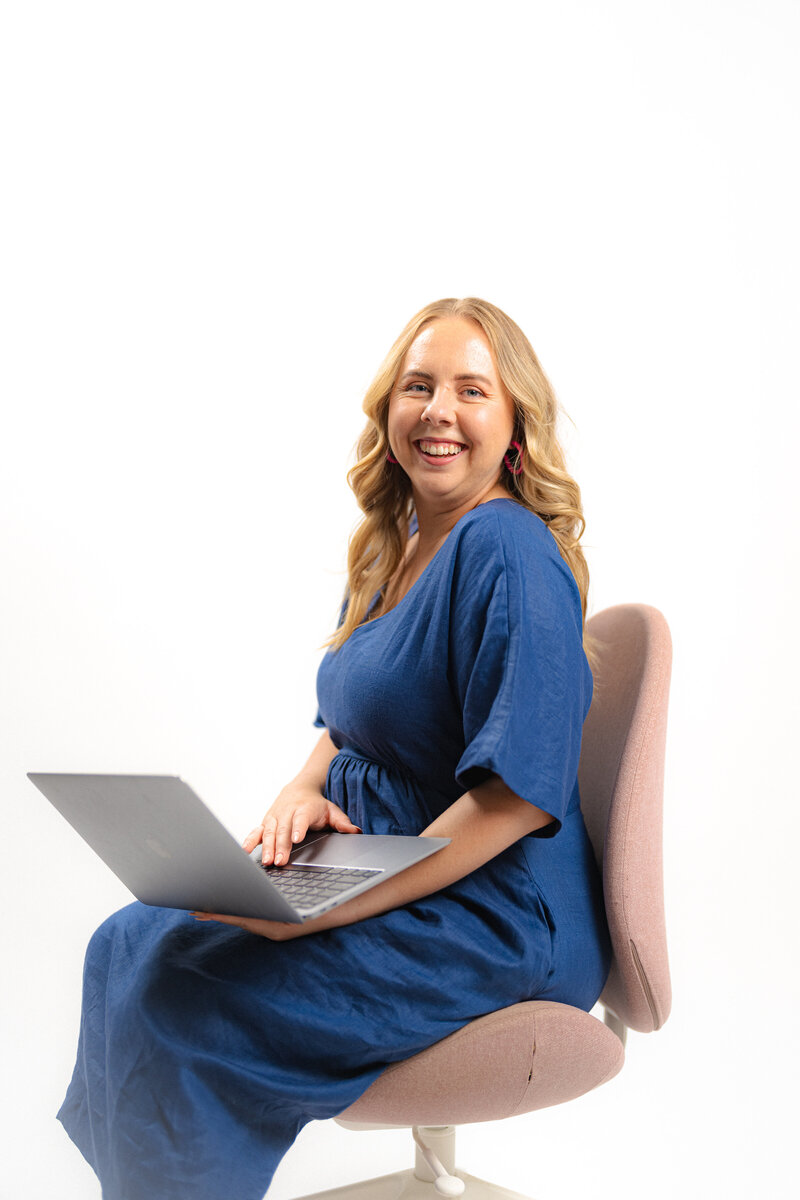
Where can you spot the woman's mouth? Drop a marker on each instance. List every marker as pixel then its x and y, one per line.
pixel 439 451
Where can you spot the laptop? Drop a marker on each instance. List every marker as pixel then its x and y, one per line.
pixel 170 850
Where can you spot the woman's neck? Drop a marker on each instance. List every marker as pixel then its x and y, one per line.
pixel 435 522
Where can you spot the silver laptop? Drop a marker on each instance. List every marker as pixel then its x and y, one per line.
pixel 165 845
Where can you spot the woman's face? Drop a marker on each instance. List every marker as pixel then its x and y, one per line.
pixel 450 420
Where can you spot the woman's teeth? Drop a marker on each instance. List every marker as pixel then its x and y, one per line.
pixel 440 449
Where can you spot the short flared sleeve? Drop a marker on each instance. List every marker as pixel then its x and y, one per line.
pixel 517 661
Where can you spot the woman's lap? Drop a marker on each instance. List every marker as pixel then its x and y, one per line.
pixel 204 1049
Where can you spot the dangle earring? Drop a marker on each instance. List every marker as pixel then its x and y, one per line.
pixel 514 470
pixel 390 457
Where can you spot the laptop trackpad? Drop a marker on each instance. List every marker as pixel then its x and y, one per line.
pixel 327 848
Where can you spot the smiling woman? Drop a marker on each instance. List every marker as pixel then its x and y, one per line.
pixel 452 699
pixel 450 421
pixel 461 372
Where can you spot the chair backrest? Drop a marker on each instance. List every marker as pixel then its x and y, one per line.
pixel 621 781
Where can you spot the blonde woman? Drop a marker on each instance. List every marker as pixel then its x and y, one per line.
pixel 452 698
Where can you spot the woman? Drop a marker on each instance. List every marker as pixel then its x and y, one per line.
pixel 453 697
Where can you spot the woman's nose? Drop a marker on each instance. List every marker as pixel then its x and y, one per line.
pixel 440 408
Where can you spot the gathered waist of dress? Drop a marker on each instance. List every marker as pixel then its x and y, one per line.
pixel 351 752
pixel 393 768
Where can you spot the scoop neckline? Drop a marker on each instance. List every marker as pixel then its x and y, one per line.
pixel 417 582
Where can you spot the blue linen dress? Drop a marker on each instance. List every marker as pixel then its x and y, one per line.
pixel 205 1049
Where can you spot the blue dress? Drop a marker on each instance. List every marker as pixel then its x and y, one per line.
pixel 205 1049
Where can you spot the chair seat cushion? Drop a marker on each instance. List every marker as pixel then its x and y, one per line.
pixel 531 1055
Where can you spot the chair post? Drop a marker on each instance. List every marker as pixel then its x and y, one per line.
pixel 441 1141
pixel 615 1025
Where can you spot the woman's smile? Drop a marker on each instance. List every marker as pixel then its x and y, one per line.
pixel 437 450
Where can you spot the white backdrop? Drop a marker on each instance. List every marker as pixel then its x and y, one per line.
pixel 216 219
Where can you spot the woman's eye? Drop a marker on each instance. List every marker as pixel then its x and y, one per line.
pixel 424 386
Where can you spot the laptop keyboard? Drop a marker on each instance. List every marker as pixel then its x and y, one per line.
pixel 304 886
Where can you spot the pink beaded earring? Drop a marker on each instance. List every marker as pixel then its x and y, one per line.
pixel 390 457
pixel 514 470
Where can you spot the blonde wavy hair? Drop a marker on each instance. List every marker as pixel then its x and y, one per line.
pixel 383 490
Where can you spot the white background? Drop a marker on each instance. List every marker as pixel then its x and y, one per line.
pixel 216 219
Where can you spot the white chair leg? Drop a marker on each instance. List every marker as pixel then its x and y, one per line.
pixel 403 1186
pixel 435 1154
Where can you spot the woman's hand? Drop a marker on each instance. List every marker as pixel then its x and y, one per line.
pixel 276 931
pixel 298 808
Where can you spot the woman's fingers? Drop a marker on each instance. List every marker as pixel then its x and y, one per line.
pixel 253 838
pixel 338 819
pixel 283 829
pixel 281 837
pixel 345 825
pixel 224 919
pixel 276 931
pixel 268 839
pixel 283 842
pixel 299 828
pixel 277 838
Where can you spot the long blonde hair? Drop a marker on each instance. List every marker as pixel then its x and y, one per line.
pixel 383 490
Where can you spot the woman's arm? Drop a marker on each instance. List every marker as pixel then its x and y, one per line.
pixel 481 823
pixel 315 772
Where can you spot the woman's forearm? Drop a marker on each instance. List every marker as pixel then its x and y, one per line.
pixel 315 771
pixel 481 823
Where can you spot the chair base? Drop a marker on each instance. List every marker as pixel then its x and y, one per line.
pixel 405 1185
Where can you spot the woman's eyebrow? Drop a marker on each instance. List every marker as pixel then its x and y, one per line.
pixel 427 375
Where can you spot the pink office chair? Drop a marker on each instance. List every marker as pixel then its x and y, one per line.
pixel 539 1053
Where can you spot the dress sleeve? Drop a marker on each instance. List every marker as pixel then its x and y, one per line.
pixel 518 666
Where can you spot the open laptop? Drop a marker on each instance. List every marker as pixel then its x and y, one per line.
pixel 165 845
